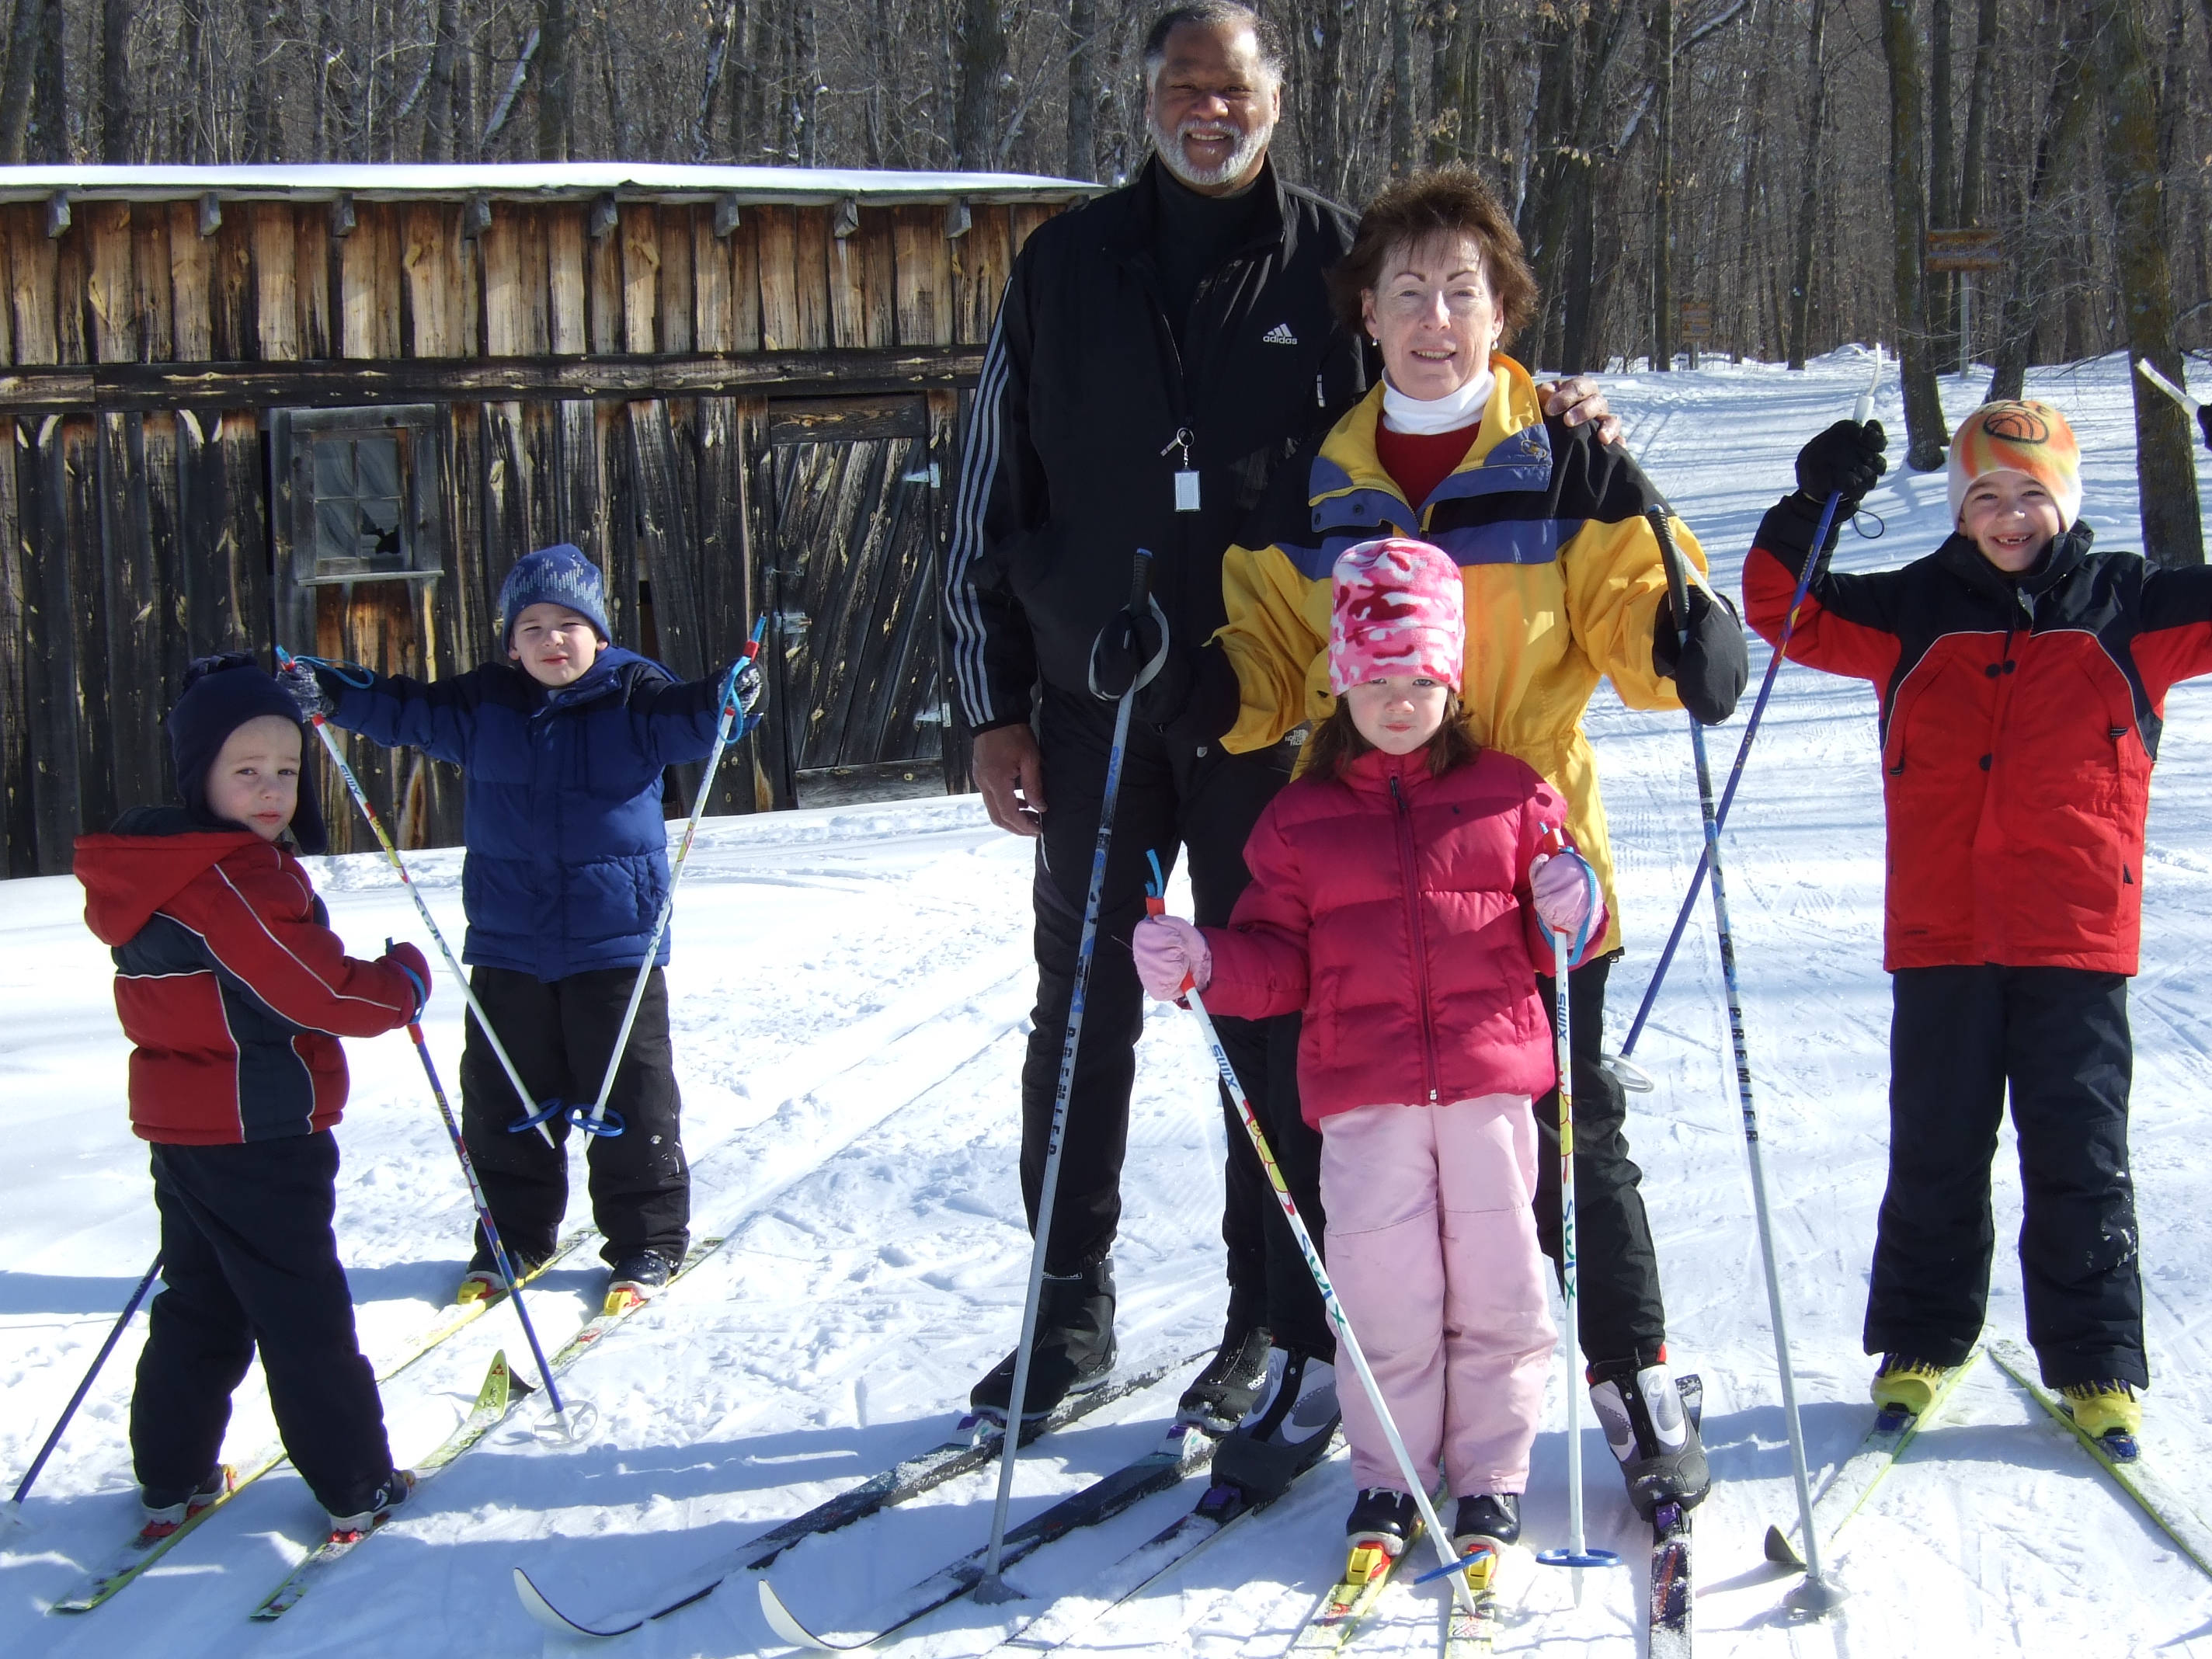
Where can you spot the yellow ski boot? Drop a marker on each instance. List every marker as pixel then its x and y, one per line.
pixel 2108 1412
pixel 1904 1386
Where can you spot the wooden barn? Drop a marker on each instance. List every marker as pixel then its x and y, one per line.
pixel 330 406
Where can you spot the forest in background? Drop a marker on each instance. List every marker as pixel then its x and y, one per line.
pixel 1776 162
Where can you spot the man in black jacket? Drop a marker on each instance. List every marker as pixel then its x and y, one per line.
pixel 1159 351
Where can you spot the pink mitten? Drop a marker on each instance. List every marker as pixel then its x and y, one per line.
pixel 1565 892
pixel 1171 957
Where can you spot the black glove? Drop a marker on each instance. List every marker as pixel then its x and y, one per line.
pixel 1132 636
pixel 2204 421
pixel 302 683
pixel 1845 460
pixel 749 686
pixel 1709 672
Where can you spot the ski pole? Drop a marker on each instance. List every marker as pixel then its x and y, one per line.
pixel 726 732
pixel 1578 1553
pixel 993 1587
pixel 1453 1564
pixel 499 1256
pixel 115 1335
pixel 1817 1594
pixel 2189 404
pixel 1860 412
pixel 533 1117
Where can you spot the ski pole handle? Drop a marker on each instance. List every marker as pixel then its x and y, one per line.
pixel 1140 578
pixel 1862 411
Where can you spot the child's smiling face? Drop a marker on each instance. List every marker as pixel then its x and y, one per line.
pixel 2010 518
pixel 555 645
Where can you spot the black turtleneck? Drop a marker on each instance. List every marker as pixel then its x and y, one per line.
pixel 1195 235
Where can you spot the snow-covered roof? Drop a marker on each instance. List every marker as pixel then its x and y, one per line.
pixel 536 180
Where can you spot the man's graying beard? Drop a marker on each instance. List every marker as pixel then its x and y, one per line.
pixel 1169 147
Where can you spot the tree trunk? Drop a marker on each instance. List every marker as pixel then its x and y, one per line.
pixel 982 67
pixel 1975 159
pixel 438 90
pixel 1942 290
pixel 1662 194
pixel 2065 121
pixel 1402 88
pixel 1925 433
pixel 556 81
pixel 190 132
pixel 23 42
pixel 48 137
pixel 1808 192
pixel 2165 466
pixel 1455 82
pixel 1575 349
pixel 116 104
pixel 1083 89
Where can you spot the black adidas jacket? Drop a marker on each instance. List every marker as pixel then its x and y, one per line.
pixel 1071 453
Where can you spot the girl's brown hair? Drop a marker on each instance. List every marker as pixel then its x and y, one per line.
pixel 1439 202
pixel 1336 742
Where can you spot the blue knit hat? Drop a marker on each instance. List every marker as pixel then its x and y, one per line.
pixel 221 694
pixel 560 574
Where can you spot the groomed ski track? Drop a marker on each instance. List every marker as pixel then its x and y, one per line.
pixel 848 993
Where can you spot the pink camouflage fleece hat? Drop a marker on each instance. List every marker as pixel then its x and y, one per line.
pixel 1400 609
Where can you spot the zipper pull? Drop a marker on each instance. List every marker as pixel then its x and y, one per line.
pixel 1186 478
pixel 1394 795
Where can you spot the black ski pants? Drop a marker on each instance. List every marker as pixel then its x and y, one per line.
pixel 1616 1269
pixel 559 1033
pixel 2057 1039
pixel 1204 801
pixel 249 1259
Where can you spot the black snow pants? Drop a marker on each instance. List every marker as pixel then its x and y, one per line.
pixel 2057 1039
pixel 1617 1270
pixel 248 1260
pixel 1204 800
pixel 559 1033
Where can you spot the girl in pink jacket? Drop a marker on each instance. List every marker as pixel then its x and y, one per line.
pixel 1400 900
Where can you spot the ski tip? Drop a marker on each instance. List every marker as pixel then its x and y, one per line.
pixel 535 1604
pixel 1781 1551
pixel 789 1628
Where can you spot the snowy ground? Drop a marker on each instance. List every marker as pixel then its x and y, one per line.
pixel 849 991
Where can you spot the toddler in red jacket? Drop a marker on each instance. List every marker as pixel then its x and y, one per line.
pixel 2021 675
pixel 1400 900
pixel 234 991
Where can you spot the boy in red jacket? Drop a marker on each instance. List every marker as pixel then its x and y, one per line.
pixel 233 990
pixel 2022 677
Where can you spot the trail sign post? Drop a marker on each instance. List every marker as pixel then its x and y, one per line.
pixel 1965 251
pixel 1697 325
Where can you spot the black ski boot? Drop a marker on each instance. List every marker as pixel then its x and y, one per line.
pixel 1222 1395
pixel 1074 1350
pixel 1385 1517
pixel 638 1276
pixel 1287 1430
pixel 1487 1518
pixel 1650 1431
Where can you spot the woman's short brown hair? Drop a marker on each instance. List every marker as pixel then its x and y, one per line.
pixel 1440 202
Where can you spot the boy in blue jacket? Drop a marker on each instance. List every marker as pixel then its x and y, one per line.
pixel 562 747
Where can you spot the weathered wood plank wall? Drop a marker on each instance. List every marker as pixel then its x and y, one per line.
pixel 602 378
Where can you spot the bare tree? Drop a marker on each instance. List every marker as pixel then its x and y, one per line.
pixel 982 67
pixel 1808 192
pixel 1083 90
pixel 23 42
pixel 1925 433
pixel 557 89
pixel 2165 466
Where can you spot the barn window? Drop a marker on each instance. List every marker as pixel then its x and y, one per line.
pixel 363 486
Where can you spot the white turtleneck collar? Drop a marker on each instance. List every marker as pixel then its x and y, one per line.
pixel 1449 413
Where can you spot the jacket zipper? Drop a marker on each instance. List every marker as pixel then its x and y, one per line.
pixel 1409 863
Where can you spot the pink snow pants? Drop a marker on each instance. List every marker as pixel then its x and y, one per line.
pixel 1432 1247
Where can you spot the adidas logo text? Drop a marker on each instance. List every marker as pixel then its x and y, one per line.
pixel 1280 335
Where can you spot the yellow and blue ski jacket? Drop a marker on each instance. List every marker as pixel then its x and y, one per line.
pixel 1564 585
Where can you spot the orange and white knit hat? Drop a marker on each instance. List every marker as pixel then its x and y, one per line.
pixel 2030 437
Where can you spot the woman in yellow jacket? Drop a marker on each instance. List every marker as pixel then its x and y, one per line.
pixel 1563 584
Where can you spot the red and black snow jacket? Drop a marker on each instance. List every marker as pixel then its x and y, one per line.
pixel 2019 719
pixel 229 981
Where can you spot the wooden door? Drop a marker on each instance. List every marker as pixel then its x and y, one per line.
pixel 853 496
